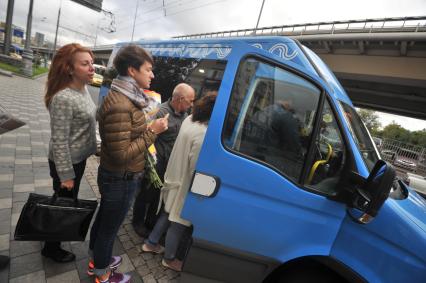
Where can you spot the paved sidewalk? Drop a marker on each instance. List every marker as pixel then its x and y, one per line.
pixel 24 169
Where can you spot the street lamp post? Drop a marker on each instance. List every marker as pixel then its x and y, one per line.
pixel 57 27
pixel 27 55
pixel 134 20
pixel 8 28
pixel 258 19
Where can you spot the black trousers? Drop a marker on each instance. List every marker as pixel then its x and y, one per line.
pixel 146 202
pixel 78 171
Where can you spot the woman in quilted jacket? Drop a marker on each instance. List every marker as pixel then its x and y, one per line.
pixel 125 136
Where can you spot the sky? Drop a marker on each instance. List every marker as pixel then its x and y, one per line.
pixel 180 17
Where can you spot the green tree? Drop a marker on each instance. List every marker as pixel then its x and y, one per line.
pixel 371 120
pixel 396 132
pixel 418 138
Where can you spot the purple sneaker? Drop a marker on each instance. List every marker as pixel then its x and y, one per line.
pixel 115 262
pixel 115 277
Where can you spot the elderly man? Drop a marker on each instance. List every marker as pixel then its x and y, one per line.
pixel 146 202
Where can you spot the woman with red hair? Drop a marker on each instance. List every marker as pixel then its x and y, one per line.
pixel 73 126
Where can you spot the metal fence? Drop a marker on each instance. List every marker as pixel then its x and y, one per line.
pixel 405 157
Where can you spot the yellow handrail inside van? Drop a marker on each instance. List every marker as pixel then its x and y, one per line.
pixel 320 162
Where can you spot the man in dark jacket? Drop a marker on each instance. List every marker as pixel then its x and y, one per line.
pixel 146 202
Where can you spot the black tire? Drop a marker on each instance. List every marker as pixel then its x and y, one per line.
pixel 309 274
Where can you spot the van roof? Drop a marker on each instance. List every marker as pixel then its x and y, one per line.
pixel 283 48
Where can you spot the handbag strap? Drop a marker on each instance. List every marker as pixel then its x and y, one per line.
pixel 56 195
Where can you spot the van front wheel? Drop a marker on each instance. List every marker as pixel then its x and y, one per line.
pixel 308 272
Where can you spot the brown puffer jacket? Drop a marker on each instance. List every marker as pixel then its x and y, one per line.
pixel 124 134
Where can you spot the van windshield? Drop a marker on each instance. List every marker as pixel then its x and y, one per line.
pixel 361 136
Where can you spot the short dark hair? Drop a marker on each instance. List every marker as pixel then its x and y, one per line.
pixel 131 56
pixel 203 107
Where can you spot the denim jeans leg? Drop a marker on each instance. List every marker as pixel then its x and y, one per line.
pixel 173 239
pixel 116 197
pixel 159 229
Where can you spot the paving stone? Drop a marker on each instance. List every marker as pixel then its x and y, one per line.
pixel 17 206
pixel 126 265
pixel 6 177
pixel 7 146
pixel 4 274
pixel 7 159
pixel 123 238
pixel 133 253
pixel 15 218
pixel 39 159
pixel 171 273
pixel 4 242
pixel 135 277
pixel 163 280
pixel 5 203
pixel 149 279
pixel 44 190
pixel 23 161
pixel 121 231
pixel 18 197
pixel 118 248
pixel 35 277
pixel 80 249
pixel 67 277
pixel 20 188
pixel 137 261
pixel 52 268
pixel 82 269
pixel 158 272
pixel 19 248
pixel 47 182
pixel 5 215
pixel 128 245
pixel 152 263
pixel 25 264
pixel 24 173
pixel 18 180
pixel 143 270
pixel 147 256
pixel 23 148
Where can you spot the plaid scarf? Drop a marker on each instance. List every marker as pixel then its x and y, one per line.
pixel 128 86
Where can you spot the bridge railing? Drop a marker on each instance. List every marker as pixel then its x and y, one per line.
pixel 405 24
pixel 406 157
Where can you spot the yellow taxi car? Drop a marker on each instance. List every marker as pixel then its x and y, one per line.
pixel 97 80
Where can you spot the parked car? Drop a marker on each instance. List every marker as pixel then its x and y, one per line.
pixel 378 142
pixel 407 159
pixel 388 155
pixel 417 182
pixel 97 80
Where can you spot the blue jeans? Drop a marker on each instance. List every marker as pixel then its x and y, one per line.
pixel 173 236
pixel 116 196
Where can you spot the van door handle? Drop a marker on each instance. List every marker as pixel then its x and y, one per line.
pixel 205 185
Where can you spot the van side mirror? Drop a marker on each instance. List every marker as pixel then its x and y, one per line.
pixel 370 197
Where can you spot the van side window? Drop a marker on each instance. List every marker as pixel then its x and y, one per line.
pixel 202 74
pixel 270 116
pixel 329 154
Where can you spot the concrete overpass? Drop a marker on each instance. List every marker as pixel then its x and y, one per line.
pixel 381 63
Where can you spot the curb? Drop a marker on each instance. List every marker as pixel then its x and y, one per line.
pixel 6 73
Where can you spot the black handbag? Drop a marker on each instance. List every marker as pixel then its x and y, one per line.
pixel 53 218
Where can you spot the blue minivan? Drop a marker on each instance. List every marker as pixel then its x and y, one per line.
pixel 289 185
